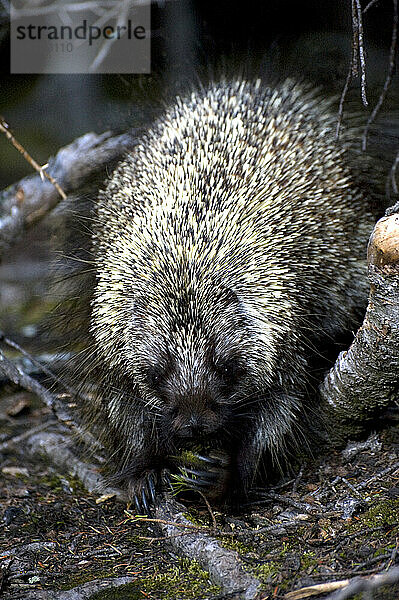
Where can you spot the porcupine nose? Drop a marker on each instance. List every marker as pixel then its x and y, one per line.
pixel 195 425
pixel 193 428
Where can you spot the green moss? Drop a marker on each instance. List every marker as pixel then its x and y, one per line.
pixel 130 591
pixel 382 513
pixel 198 519
pixel 233 544
pixel 52 481
pixel 266 572
pixel 185 580
pixel 308 561
pixel 284 550
pixel 384 550
pixel 56 483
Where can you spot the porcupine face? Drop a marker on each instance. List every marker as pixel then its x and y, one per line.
pixel 191 363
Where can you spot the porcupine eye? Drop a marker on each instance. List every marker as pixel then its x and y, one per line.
pixel 230 370
pixel 154 376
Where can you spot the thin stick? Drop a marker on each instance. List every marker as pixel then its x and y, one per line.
pixel 36 362
pixel 369 5
pixel 4 127
pixel 392 176
pixel 360 45
pixel 357 54
pixel 342 99
pixel 388 79
pixel 355 40
pixel 205 499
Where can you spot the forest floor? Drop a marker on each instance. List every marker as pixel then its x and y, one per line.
pixel 337 519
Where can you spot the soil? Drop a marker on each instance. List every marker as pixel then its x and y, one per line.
pixel 336 519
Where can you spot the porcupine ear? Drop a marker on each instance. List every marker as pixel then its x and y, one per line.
pixel 232 299
pixel 229 295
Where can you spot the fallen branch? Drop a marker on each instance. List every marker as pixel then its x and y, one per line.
pixel 367 584
pixel 28 201
pixel 57 447
pixel 347 588
pixel 87 590
pixel 20 378
pixel 224 566
pixel 316 590
pixel 365 378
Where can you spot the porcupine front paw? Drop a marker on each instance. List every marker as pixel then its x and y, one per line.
pixel 142 490
pixel 209 474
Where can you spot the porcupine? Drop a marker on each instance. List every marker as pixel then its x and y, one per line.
pixel 228 248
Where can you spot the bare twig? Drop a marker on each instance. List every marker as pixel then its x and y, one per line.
pixel 380 475
pixel 5 128
pixel 388 79
pixel 369 5
pixel 342 99
pixel 28 201
pixel 392 176
pixel 36 362
pixel 357 57
pixel 358 31
pixel 303 506
pixel 205 499
pixel 372 561
pixel 122 12
pixel 366 584
pixel 20 378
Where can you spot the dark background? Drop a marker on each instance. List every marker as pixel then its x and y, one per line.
pixel 307 40
pixel 192 40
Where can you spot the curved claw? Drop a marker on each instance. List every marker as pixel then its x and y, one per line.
pixel 151 487
pixel 137 503
pixel 206 459
pixel 195 482
pixel 144 501
pixel 143 492
pixel 167 481
pixel 203 474
pixel 218 461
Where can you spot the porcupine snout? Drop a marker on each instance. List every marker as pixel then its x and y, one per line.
pixel 190 423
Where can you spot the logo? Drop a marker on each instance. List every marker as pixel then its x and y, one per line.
pixel 80 37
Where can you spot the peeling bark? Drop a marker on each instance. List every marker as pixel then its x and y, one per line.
pixel 365 378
